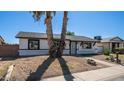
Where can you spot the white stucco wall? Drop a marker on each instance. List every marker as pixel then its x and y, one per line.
pixel 121 45
pixel 86 51
pixel 37 52
pixel 106 45
pixel 44 48
pixel 0 43
pixel 32 52
pixel 67 44
pixel 67 48
pixel 44 44
pixel 93 50
pixel 23 43
pixel 73 48
pixel 80 47
pixel 23 46
pixel 67 52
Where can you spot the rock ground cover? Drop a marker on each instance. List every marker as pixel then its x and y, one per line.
pixel 40 67
pixel 3 69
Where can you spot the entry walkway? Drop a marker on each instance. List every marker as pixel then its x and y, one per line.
pixel 102 62
pixel 111 72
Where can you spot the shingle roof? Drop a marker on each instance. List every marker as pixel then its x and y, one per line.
pixel 43 35
pixel 81 38
pixel 110 39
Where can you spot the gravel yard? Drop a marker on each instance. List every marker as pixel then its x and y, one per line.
pixel 39 67
pixel 3 69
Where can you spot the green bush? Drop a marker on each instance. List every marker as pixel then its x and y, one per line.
pixel 107 58
pixel 106 52
pixel 120 49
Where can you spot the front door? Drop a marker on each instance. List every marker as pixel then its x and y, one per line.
pixel 73 48
pixel 114 46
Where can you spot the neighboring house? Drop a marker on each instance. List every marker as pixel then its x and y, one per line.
pixel 1 41
pixel 36 44
pixel 112 43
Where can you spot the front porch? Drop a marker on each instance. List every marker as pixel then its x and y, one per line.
pixel 112 43
pixel 84 47
pixel 115 45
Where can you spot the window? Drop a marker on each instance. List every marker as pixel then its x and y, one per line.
pixel 57 42
pixel 33 44
pixel 86 45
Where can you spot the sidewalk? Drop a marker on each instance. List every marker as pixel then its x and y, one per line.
pixel 95 75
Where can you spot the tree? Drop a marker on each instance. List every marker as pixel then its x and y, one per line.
pixel 48 21
pixel 63 34
pixel 70 33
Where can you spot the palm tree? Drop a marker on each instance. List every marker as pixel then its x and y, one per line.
pixel 48 21
pixel 63 34
pixel 70 33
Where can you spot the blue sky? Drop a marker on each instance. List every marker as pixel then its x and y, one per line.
pixel 105 24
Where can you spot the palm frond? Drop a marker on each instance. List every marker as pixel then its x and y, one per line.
pixel 38 14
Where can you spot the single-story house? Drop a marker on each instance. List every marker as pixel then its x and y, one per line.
pixel 31 43
pixel 112 43
pixel 1 40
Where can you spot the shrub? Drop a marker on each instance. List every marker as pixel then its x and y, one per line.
pixel 120 50
pixel 106 58
pixel 106 52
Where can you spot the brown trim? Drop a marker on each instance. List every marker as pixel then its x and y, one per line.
pixel 117 37
pixel 37 38
pixel 81 41
pixel 1 38
pixel 76 49
pixel 30 38
pixel 70 48
pixel 55 38
pixel 110 47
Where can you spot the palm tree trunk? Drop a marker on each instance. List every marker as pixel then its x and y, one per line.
pixel 49 32
pixel 63 34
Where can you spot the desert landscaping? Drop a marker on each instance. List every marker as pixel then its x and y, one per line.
pixel 40 67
